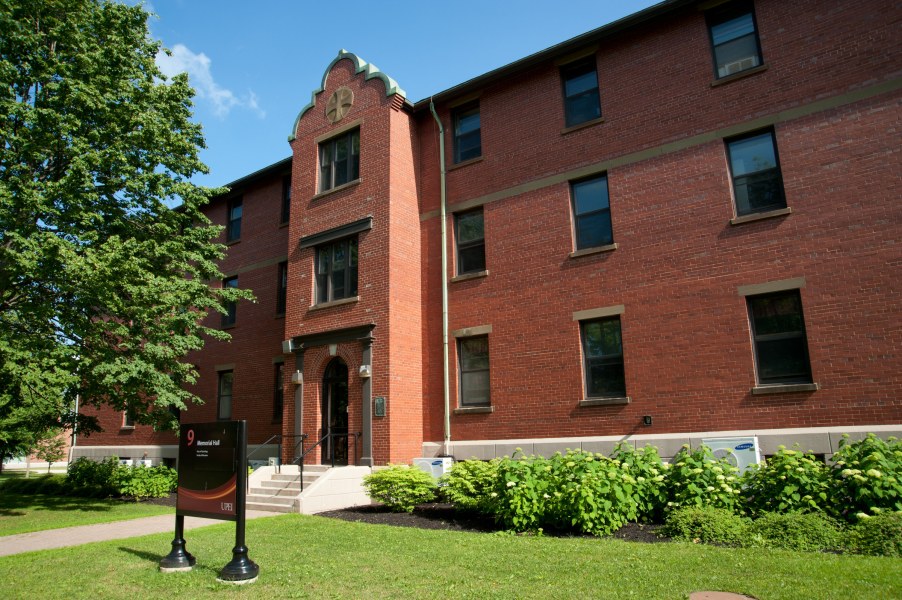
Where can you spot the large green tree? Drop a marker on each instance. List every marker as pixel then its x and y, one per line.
pixel 102 285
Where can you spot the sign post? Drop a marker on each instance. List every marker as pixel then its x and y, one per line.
pixel 212 482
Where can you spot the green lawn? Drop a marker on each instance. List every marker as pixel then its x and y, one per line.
pixel 315 557
pixel 25 513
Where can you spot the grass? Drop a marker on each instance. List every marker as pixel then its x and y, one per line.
pixel 26 513
pixel 314 557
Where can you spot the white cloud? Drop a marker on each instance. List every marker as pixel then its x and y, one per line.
pixel 197 66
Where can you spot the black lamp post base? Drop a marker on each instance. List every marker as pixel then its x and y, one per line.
pixel 240 569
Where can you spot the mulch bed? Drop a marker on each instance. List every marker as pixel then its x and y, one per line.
pixel 445 517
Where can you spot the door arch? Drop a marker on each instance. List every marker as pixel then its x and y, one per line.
pixel 335 413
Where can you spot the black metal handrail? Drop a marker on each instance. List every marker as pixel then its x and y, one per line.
pixel 329 436
pixel 278 437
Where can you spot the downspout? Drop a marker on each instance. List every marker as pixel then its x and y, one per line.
pixel 446 446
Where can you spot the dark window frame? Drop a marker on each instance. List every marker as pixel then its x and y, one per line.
pixel 584 105
pixel 282 288
pixel 721 16
pixel 594 360
pixel 325 272
pixel 471 252
pixel 335 171
pixel 785 338
pixel 464 146
pixel 465 370
pixel 234 213
pixel 225 378
pixel 278 397
pixel 128 419
pixel 586 223
pixel 767 180
pixel 285 213
pixel 230 318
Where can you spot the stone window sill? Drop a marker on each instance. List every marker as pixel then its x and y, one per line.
pixel 233 242
pixel 474 410
pixel 760 216
pixel 740 75
pixel 762 390
pixel 465 163
pixel 127 427
pixel 323 305
pixel 591 123
pixel 603 401
pixel 595 250
pixel 337 189
pixel 469 276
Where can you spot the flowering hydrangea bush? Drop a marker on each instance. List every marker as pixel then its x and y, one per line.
pixel 791 480
pixel 696 478
pixel 867 477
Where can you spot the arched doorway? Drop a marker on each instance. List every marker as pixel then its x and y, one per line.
pixel 335 413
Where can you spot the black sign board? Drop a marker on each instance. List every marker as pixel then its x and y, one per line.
pixel 208 470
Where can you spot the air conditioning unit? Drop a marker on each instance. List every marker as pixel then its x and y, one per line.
pixel 738 65
pixel 126 462
pixel 434 466
pixel 146 462
pixel 741 452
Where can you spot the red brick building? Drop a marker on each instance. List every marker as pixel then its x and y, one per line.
pixel 681 225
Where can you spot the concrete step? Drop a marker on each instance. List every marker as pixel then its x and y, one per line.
pixel 272 500
pixel 279 508
pixel 269 492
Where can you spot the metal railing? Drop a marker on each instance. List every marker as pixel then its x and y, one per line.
pixel 280 438
pixel 319 444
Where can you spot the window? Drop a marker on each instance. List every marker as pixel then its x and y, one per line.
pixel 224 395
pixel 603 358
pixel 282 288
pixel 778 330
pixel 757 182
pixel 233 228
pixel 286 200
pixel 592 213
pixel 278 394
pixel 339 160
pixel 467 133
pixel 474 370
pixel 581 102
pixel 128 419
pixel 734 39
pixel 230 317
pixel 470 230
pixel 336 270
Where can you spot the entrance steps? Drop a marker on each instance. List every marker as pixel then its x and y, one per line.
pixel 325 489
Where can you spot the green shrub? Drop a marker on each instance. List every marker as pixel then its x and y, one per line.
pixel 53 484
pixel 578 490
pixel 880 535
pixel 706 524
pixel 400 487
pixel 470 483
pixel 867 476
pixel 84 473
pixel 696 478
pixel 645 466
pixel 145 482
pixel 789 481
pixel 795 531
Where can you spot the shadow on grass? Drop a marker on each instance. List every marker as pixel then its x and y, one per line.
pixel 11 504
pixel 144 555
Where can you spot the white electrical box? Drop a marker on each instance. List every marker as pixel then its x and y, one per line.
pixel 742 452
pixel 126 462
pixel 146 462
pixel 273 461
pixel 434 466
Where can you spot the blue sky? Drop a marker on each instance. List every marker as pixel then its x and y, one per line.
pixel 255 64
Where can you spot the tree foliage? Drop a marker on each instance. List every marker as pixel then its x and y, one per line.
pixel 102 285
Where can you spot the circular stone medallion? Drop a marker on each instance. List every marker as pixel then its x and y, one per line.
pixel 339 104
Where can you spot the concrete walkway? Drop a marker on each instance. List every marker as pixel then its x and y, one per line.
pixel 117 530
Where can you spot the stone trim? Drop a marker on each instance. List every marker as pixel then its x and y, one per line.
pixel 468 276
pixel 783 285
pixel 594 250
pixel 761 216
pixel 474 410
pixel 583 125
pixel 333 133
pixel 224 367
pixel 337 233
pixel 472 331
pixel 740 75
pixel 603 401
pixel 763 390
pixel 336 189
pixel 324 305
pixel 598 313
